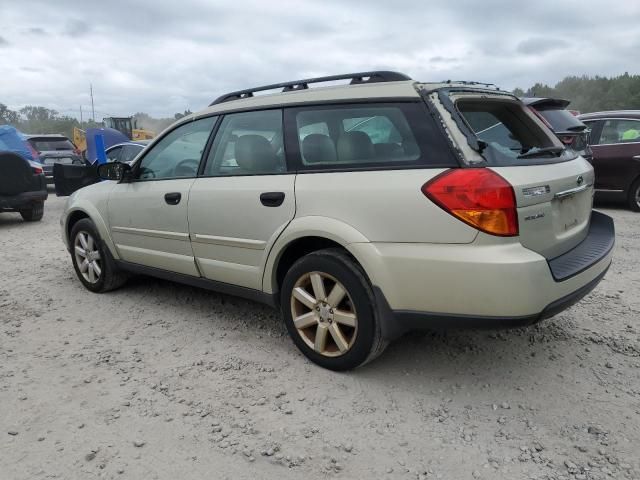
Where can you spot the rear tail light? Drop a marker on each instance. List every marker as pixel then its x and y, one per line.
pixel 37 170
pixel 477 196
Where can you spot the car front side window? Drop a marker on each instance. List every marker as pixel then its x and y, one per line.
pixel 177 154
pixel 114 154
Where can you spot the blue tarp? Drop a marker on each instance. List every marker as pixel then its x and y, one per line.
pixel 111 137
pixel 12 140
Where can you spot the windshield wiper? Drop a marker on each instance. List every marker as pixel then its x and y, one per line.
pixel 535 151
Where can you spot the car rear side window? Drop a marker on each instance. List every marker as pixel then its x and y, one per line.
pixel 51 144
pixel 364 136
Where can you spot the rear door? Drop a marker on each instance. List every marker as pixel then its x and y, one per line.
pixel 243 199
pixel 614 151
pixel 553 185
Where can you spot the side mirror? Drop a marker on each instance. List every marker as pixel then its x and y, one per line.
pixel 113 171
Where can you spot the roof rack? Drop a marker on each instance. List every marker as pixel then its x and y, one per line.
pixel 356 79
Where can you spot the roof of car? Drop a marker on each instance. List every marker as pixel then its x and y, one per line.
pixel 46 135
pixel 138 143
pixel 611 113
pixel 376 85
pixel 403 89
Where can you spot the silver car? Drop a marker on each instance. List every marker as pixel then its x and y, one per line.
pixel 360 211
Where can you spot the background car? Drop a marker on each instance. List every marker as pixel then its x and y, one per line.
pixel 125 152
pixel 615 140
pixel 53 149
pixel 569 129
pixel 22 186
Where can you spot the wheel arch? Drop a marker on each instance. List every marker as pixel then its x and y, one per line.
pixel 303 236
pixel 87 211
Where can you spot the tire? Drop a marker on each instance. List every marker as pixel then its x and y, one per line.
pixel 634 196
pixel 363 340
pixel 109 276
pixel 33 214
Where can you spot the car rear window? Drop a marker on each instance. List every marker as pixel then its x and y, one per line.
pixel 368 135
pixel 562 120
pixel 508 134
pixel 51 144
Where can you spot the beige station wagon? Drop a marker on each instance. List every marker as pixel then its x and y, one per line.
pixel 361 210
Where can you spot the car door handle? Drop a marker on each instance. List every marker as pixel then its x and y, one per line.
pixel 173 198
pixel 272 199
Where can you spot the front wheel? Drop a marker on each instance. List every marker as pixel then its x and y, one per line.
pixel 634 196
pixel 329 310
pixel 91 259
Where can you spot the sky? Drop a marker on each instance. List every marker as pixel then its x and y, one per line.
pixel 163 57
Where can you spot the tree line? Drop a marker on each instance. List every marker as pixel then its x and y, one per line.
pixel 592 94
pixel 35 119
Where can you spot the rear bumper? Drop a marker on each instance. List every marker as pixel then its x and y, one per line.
pixel 25 199
pixel 398 322
pixel 475 285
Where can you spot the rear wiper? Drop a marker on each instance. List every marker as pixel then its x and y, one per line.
pixel 535 151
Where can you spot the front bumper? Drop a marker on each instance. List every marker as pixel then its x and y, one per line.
pixel 475 285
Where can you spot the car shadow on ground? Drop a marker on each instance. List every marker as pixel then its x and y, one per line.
pixel 458 353
pixel 10 219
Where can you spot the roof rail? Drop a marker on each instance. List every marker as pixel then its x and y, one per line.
pixel 356 78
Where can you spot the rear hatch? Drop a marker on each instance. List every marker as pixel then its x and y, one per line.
pixel 55 150
pixel 553 185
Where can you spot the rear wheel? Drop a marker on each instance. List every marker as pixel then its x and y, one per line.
pixel 634 196
pixel 92 260
pixel 34 213
pixel 329 310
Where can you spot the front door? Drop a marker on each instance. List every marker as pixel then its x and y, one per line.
pixel 148 215
pixel 243 200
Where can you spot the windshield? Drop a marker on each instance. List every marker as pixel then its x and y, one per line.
pixel 508 134
pixel 562 120
pixel 51 144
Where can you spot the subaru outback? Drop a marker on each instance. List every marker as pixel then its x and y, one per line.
pixel 361 211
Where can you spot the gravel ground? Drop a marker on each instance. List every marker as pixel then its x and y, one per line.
pixel 158 380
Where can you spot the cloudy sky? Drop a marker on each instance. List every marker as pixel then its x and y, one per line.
pixel 165 56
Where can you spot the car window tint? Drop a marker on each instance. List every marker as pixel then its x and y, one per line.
pixel 368 135
pixel 619 131
pixel 52 144
pixel 129 152
pixel 319 127
pixel 178 153
pixel 248 143
pixel 378 128
pixel 507 129
pixel 113 155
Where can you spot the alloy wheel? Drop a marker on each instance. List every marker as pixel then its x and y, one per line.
pixel 87 257
pixel 324 314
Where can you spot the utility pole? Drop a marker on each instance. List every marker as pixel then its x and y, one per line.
pixel 81 115
pixel 93 112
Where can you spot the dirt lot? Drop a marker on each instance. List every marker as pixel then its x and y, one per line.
pixel 158 380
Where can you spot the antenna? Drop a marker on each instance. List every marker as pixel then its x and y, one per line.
pixel 93 112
